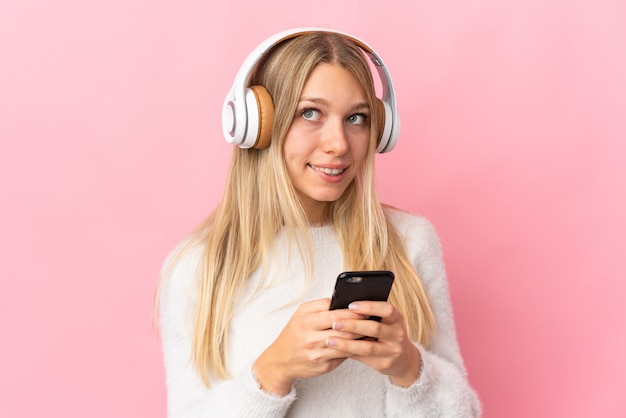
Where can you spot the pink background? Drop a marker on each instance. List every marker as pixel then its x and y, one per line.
pixel 513 144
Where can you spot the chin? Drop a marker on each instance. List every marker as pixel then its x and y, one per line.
pixel 327 197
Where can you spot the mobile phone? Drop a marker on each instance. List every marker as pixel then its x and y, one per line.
pixel 352 286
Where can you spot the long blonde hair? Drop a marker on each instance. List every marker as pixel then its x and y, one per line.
pixel 259 201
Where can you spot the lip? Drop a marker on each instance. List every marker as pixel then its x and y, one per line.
pixel 333 173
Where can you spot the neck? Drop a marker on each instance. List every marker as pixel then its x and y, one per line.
pixel 316 212
pixel 318 215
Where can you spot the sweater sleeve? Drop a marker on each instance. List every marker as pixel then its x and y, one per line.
pixel 442 389
pixel 187 395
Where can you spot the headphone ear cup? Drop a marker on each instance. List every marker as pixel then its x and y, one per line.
pixel 260 117
pixel 385 120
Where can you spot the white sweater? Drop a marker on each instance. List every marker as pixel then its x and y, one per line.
pixel 351 390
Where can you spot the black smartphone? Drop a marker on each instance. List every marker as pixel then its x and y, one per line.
pixel 352 286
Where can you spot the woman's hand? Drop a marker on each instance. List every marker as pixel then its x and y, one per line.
pixel 300 350
pixel 388 349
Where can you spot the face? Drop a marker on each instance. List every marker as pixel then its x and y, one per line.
pixel 327 142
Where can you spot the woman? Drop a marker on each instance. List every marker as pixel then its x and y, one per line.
pixel 245 318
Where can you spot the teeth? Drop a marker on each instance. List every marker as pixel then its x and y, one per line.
pixel 329 171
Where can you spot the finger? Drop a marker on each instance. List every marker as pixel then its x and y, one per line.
pixel 331 360
pixel 343 334
pixel 356 348
pixel 317 305
pixel 322 305
pixel 324 320
pixel 366 328
pixel 385 310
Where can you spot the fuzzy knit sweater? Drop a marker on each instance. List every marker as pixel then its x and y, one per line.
pixel 352 389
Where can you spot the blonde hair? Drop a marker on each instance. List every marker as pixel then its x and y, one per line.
pixel 259 201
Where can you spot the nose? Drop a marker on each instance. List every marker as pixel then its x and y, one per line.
pixel 334 137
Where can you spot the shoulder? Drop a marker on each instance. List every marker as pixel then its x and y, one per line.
pixel 419 237
pixel 410 226
pixel 179 274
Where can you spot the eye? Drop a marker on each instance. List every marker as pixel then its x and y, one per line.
pixel 357 118
pixel 311 114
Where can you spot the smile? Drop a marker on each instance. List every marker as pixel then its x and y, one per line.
pixel 329 171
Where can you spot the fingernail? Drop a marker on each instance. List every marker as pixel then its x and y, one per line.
pixel 330 342
pixel 354 306
pixel 337 325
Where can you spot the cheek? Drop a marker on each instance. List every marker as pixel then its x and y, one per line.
pixel 359 150
pixel 293 156
pixel 297 148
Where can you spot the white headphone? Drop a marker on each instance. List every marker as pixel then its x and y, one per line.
pixel 248 111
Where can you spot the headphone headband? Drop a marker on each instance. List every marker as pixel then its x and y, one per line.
pixel 240 126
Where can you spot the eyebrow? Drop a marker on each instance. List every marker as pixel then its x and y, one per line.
pixel 325 102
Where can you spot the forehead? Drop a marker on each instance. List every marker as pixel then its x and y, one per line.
pixel 333 82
